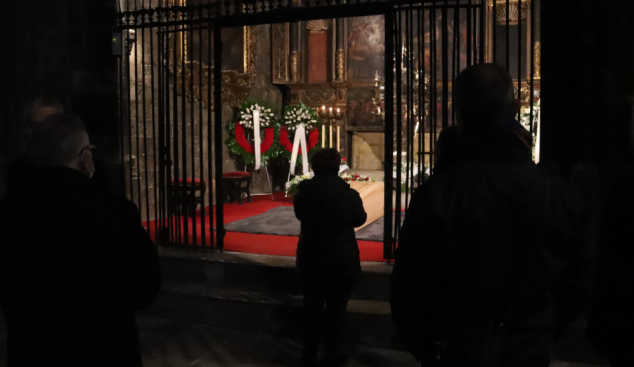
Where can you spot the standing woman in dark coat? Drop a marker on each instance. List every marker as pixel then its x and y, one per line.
pixel 327 253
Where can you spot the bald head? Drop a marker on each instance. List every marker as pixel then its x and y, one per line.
pixel 43 107
pixel 482 94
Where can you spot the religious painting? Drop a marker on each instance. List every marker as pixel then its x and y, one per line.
pixel 366 47
pixel 361 109
pixel 201 43
pixel 457 38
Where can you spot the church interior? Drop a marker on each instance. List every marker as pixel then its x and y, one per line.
pixel 196 171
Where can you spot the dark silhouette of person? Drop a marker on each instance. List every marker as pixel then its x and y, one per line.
pixel 490 268
pixel 327 253
pixel 445 145
pixel 611 317
pixel 20 170
pixel 75 261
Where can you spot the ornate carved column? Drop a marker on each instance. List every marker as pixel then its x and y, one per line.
pixel 489 20
pixel 280 32
pixel 295 66
pixel 538 38
pixel 538 59
pixel 295 51
pixel 340 60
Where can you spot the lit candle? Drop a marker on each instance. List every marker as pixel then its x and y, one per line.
pixel 323 135
pixel 323 108
pixel 330 109
pixel 337 110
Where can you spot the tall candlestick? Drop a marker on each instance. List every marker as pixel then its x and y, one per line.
pixel 338 138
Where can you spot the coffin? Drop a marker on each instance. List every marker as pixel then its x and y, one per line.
pixel 372 194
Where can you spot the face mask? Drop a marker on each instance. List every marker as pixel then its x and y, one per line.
pixel 86 157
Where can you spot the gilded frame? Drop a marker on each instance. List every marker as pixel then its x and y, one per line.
pixel 198 83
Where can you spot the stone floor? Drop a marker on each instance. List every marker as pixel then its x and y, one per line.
pixel 176 343
pixel 171 343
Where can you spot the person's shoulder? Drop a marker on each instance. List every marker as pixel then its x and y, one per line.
pixel 114 204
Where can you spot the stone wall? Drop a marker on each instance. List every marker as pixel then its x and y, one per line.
pixel 190 138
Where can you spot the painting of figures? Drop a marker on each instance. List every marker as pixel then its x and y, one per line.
pixel 366 47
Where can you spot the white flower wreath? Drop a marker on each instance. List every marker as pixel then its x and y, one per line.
pixel 246 115
pixel 294 115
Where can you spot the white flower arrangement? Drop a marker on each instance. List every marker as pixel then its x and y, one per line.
pixel 525 120
pixel 295 115
pixel 292 186
pixel 246 115
pixel 525 117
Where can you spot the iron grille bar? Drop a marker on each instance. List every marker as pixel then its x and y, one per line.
pixel 145 135
pixel 176 181
pixel 161 217
pixel 519 54
pixel 122 114
pixel 220 232
pixel 210 136
pixel 183 220
pixel 445 69
pixel 421 96
pixel 136 107
pixel 399 121
pixel 532 67
pixel 433 68
pixel 203 229
pixel 154 137
pixel 388 243
pixel 494 43
pixel 469 35
pixel 169 163
pixel 129 116
pixel 192 200
pixel 508 37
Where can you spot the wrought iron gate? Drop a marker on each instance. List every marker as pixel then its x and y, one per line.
pixel 173 126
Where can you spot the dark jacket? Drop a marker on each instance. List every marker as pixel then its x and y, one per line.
pixel 75 264
pixel 21 172
pixel 329 210
pixel 611 318
pixel 464 252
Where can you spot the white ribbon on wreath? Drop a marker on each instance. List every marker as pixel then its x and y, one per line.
pixel 256 137
pixel 299 141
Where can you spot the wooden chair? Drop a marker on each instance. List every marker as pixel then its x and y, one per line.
pixel 235 184
pixel 186 194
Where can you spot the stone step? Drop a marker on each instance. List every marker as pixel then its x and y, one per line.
pixel 367 322
pixel 262 273
pixel 261 293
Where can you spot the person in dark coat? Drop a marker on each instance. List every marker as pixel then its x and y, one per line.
pixel 327 253
pixel 490 268
pixel 20 171
pixel 611 317
pixel 75 261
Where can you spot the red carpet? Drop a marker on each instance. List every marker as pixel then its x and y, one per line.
pixel 192 233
